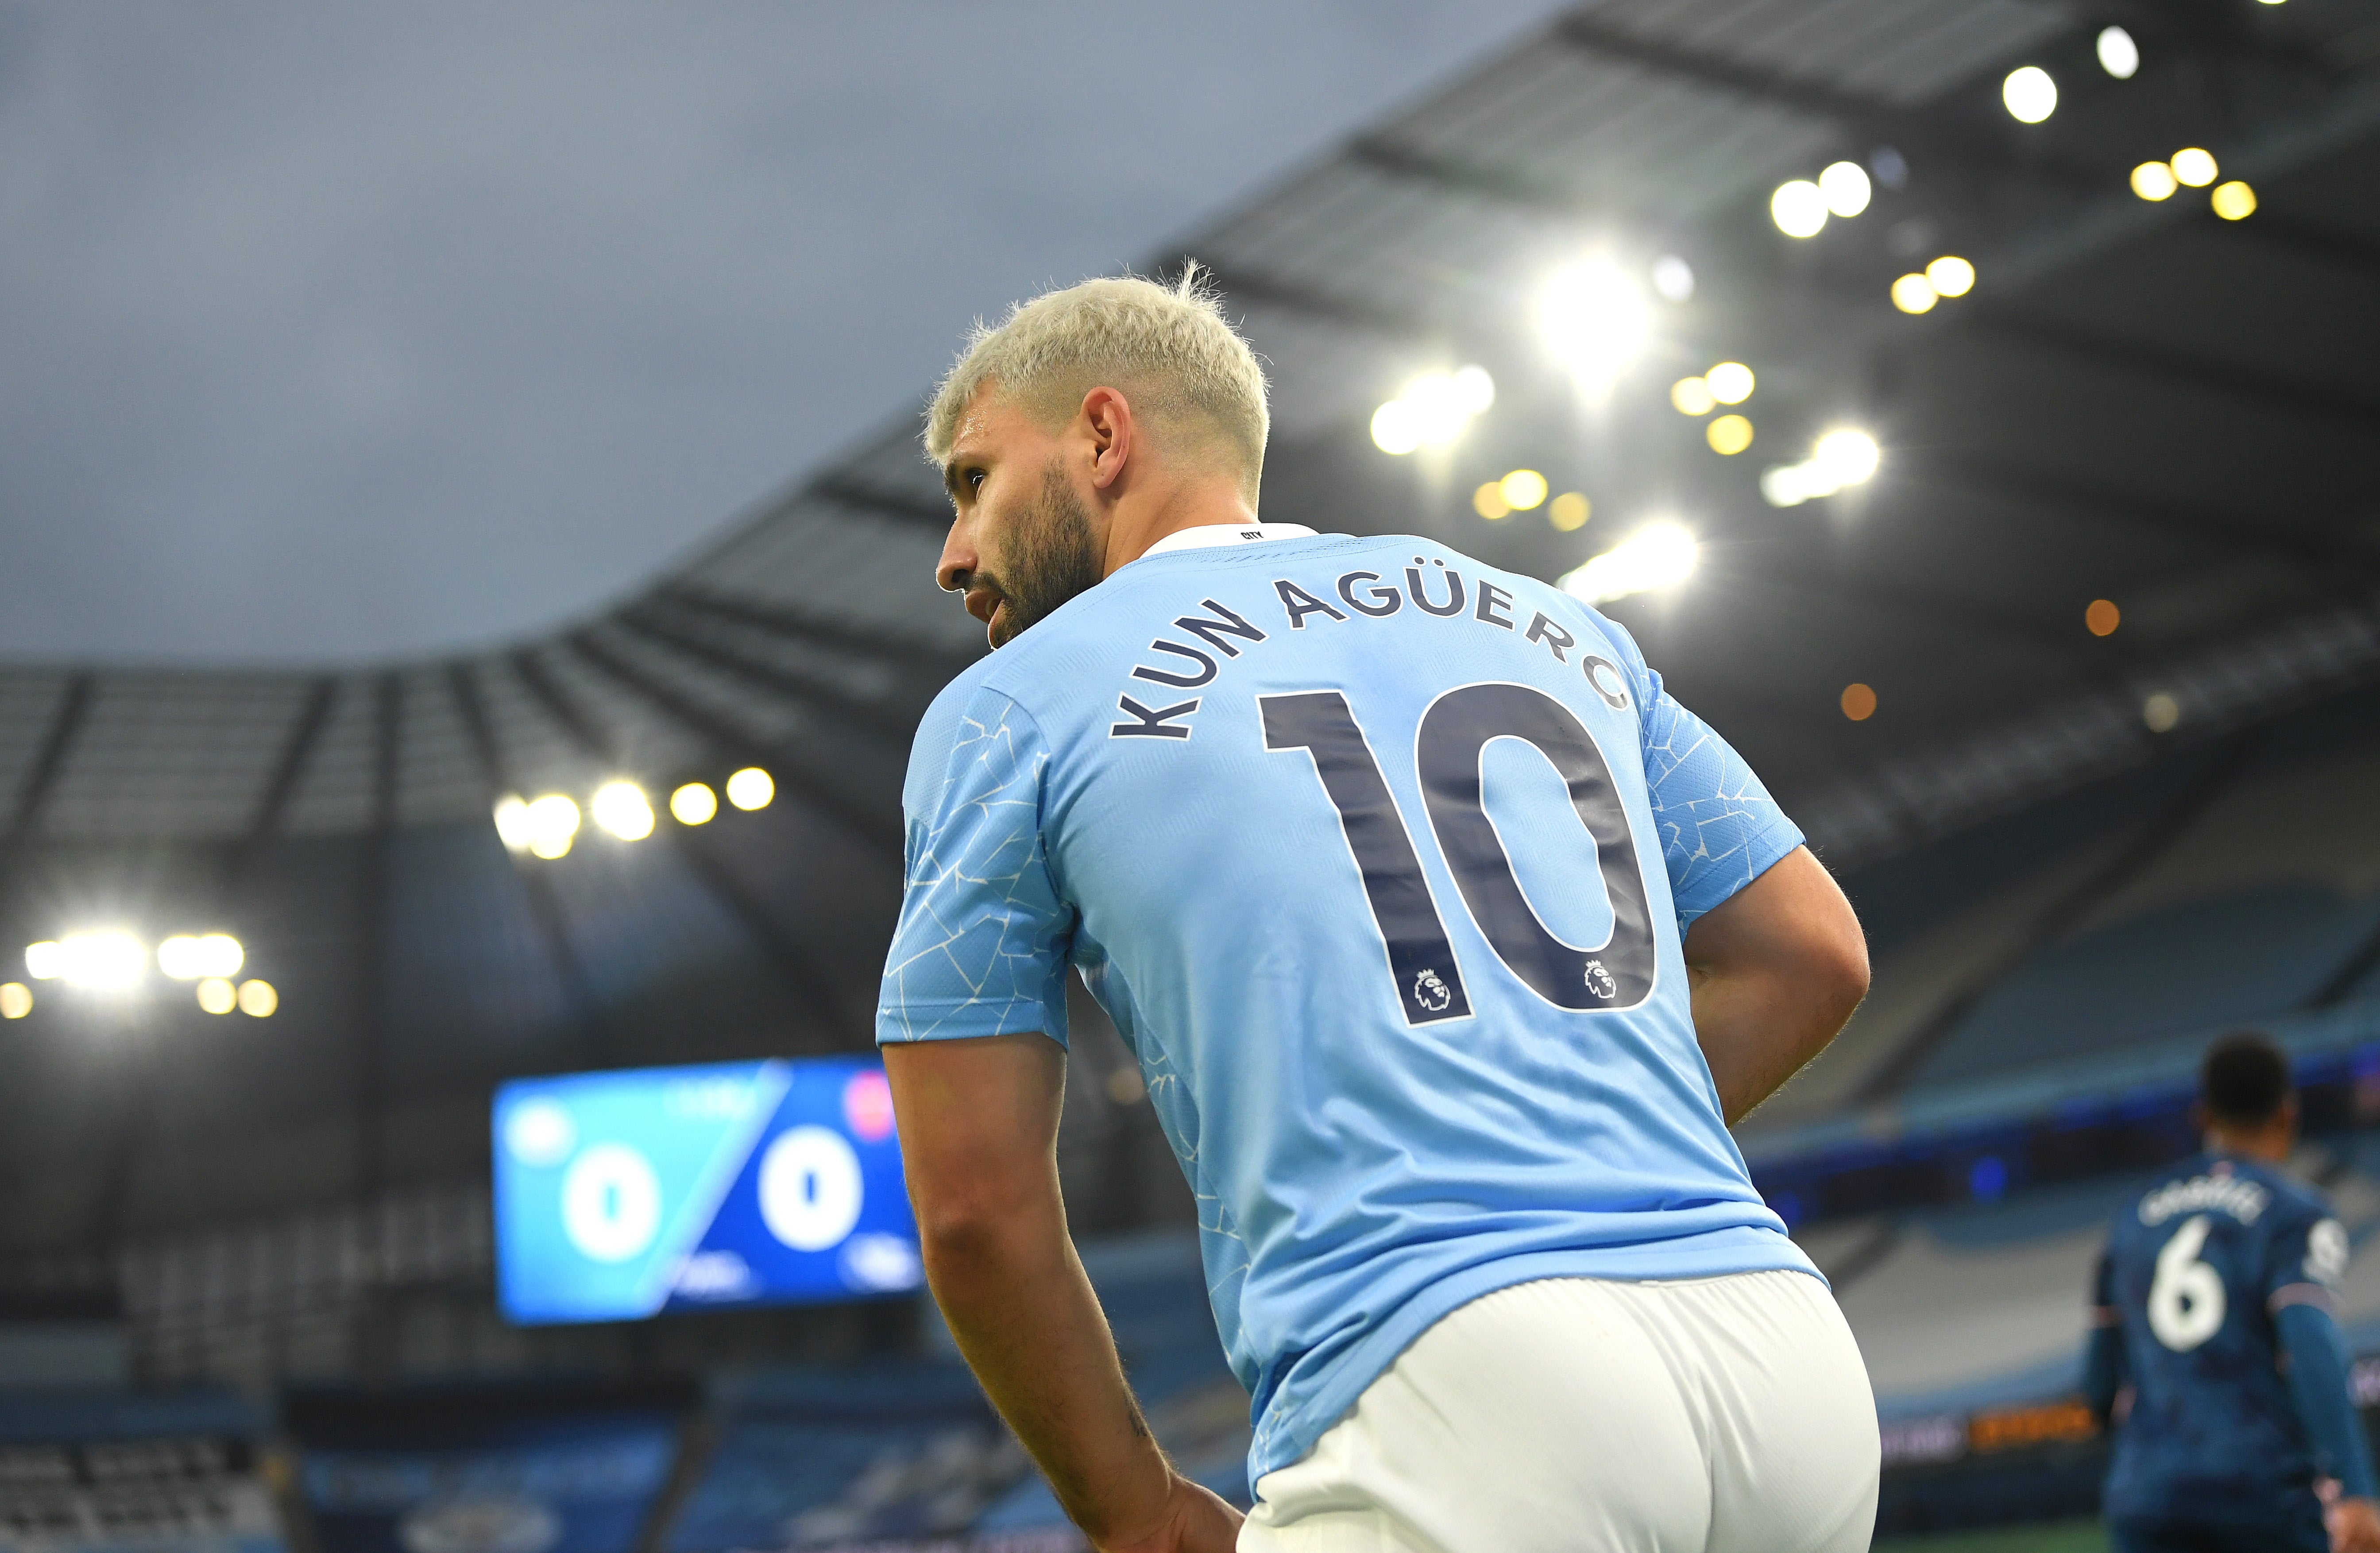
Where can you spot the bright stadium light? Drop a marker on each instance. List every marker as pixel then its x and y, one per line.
pixel 1729 435
pixel 1844 456
pixel 1660 555
pixel 1691 396
pixel 2234 201
pixel 1396 429
pixel 512 822
pixel 1673 279
pixel 2119 55
pixel 2029 94
pixel 751 788
pixel 1798 207
pixel 552 824
pixel 216 995
pixel 188 958
pixel 1950 276
pixel 258 999
pixel 1845 186
pixel 693 803
pixel 1522 490
pixel 1569 512
pixel 1487 501
pixel 106 962
pixel 1595 320
pixel 1731 382
pixel 1433 411
pixel 1914 294
pixel 622 809
pixel 2155 180
pixel 2193 165
pixel 15 999
pixel 45 961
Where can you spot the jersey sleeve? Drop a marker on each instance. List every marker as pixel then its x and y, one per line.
pixel 981 947
pixel 1719 829
pixel 2304 1261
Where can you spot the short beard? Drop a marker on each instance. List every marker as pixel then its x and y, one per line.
pixel 1052 556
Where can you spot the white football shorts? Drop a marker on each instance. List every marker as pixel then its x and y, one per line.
pixel 1579 1415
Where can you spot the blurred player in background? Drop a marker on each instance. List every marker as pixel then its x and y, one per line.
pixel 1448 944
pixel 2214 1346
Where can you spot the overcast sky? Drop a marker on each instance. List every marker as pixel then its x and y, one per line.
pixel 332 332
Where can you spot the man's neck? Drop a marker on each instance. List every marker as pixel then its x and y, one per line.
pixel 2267 1146
pixel 1133 529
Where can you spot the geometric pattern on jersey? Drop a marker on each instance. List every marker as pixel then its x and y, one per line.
pixel 1380 857
pixel 2194 1270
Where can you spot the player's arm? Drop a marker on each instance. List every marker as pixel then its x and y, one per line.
pixel 978 1121
pixel 1776 970
pixel 2103 1355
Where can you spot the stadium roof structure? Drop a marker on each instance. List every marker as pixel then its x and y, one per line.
pixel 2138 401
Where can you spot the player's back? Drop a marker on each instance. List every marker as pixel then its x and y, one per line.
pixel 2194 1270
pixel 1357 842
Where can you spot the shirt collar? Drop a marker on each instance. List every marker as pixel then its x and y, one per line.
pixel 1207 534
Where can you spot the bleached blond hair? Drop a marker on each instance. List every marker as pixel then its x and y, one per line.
pixel 1169 351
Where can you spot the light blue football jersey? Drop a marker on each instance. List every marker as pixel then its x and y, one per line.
pixel 1379 858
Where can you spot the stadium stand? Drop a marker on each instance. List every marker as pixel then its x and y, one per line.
pixel 2078 857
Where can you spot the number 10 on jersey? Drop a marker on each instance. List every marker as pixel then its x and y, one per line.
pixel 1452 735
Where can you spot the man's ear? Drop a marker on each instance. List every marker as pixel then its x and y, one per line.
pixel 1114 435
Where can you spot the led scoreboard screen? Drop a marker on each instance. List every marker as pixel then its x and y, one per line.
pixel 625 1195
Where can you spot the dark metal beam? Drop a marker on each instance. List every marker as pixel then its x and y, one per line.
pixel 304 729
pixel 545 909
pixel 1260 290
pixel 792 684
pixel 2327 558
pixel 843 488
pixel 878 828
pixel 924 657
pixel 375 902
pixel 783 950
pixel 66 722
pixel 2143 358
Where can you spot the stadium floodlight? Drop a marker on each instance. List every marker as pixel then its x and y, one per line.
pixel 1950 276
pixel 216 995
pixel 1595 320
pixel 2193 165
pixel 553 826
pixel 104 962
pixel 45 961
pixel 15 999
pixel 622 809
pixel 2160 711
pixel 512 822
pixel 1433 411
pixel 1673 279
pixel 258 999
pixel 1487 501
pixel 2234 201
pixel 1691 396
pixel 2029 93
pixel 1848 456
pixel 1844 456
pixel 1730 383
pixel 1396 429
pixel 751 788
pixel 1914 294
pixel 2119 55
pixel 1659 554
pixel 1845 186
pixel 1522 490
pixel 1729 435
pixel 693 803
pixel 1798 207
pixel 1569 512
pixel 2155 180
pixel 185 957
